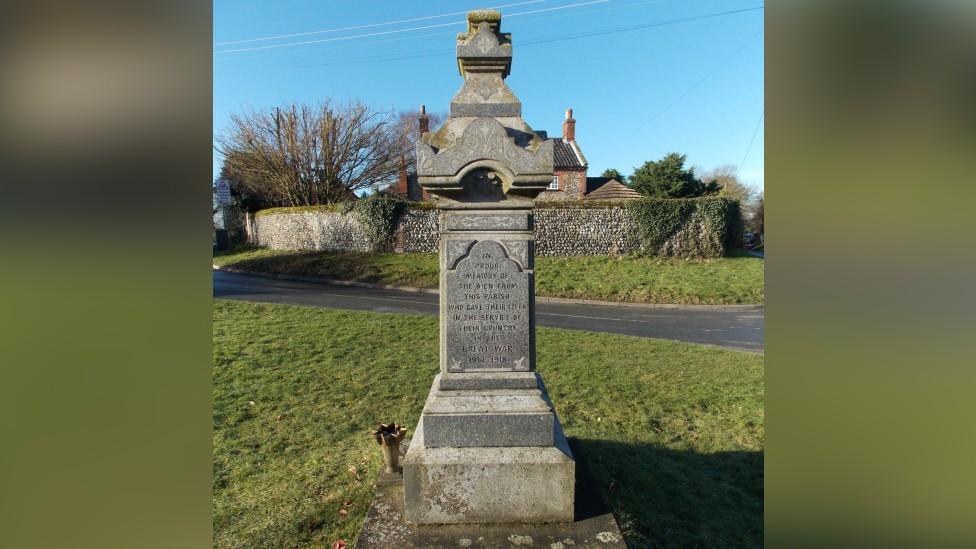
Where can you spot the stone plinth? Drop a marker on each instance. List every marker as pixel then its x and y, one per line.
pixel 487 418
pixel 481 485
pixel 488 448
pixel 592 524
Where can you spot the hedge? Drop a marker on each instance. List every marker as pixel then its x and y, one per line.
pixel 687 227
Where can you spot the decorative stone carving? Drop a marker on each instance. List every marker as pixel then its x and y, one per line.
pixel 520 252
pixel 506 222
pixel 485 133
pixel 456 249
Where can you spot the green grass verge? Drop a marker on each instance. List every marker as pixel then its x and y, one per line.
pixel 738 279
pixel 673 432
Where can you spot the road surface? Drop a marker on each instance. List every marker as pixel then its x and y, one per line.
pixel 732 328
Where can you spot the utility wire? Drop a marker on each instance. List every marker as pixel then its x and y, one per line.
pixel 755 132
pixel 381 33
pixel 639 27
pixel 402 56
pixel 510 24
pixel 371 25
pixel 323 40
pixel 694 86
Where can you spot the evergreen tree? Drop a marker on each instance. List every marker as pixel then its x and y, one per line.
pixel 614 174
pixel 667 178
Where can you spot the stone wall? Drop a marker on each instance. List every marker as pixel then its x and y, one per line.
pixel 591 231
pixel 558 231
pixel 312 231
pixel 417 232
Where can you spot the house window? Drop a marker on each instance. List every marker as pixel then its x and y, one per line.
pixel 554 184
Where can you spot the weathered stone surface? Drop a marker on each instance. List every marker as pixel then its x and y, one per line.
pixel 488 314
pixel 487 455
pixel 488 222
pixel 488 380
pixel 591 231
pixel 416 231
pixel 485 142
pixel 488 418
pixel 488 485
pixel 593 525
pixel 556 231
pixel 486 109
pixel 312 231
pixel 489 430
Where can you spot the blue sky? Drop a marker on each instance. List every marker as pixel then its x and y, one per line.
pixel 692 86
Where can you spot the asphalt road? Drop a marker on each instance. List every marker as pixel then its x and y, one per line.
pixel 733 328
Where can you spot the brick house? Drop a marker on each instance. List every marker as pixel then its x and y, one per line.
pixel 569 181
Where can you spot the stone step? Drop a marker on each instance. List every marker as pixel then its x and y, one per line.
pixel 488 380
pixel 488 418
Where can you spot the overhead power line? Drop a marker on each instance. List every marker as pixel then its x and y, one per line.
pixel 395 31
pixel 638 27
pixel 754 133
pixel 403 56
pixel 612 7
pixel 367 26
pixel 694 86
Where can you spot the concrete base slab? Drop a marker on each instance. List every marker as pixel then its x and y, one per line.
pixel 485 485
pixel 592 525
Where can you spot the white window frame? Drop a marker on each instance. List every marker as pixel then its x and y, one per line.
pixel 554 184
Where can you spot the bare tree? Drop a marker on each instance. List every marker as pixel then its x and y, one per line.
pixel 306 155
pixel 409 122
pixel 757 223
pixel 726 177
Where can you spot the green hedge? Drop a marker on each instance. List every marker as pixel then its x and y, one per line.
pixel 687 227
pixel 379 216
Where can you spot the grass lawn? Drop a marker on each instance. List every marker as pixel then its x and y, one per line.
pixel 728 280
pixel 672 432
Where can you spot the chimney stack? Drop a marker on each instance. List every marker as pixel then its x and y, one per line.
pixel 569 126
pixel 403 188
pixel 424 120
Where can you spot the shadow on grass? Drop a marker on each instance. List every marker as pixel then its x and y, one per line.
pixel 673 498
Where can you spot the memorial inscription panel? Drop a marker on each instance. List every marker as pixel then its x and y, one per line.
pixel 487 316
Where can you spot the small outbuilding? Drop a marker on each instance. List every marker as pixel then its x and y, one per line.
pixel 607 189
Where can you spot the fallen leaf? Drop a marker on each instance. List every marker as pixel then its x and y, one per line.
pixel 355 472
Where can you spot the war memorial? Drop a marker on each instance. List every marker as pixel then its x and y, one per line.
pixel 488 464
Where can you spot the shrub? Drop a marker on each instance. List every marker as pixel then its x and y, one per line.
pixel 379 215
pixel 696 227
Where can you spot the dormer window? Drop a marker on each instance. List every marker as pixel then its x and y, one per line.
pixel 554 184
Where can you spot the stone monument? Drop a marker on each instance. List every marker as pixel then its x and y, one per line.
pixel 488 447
